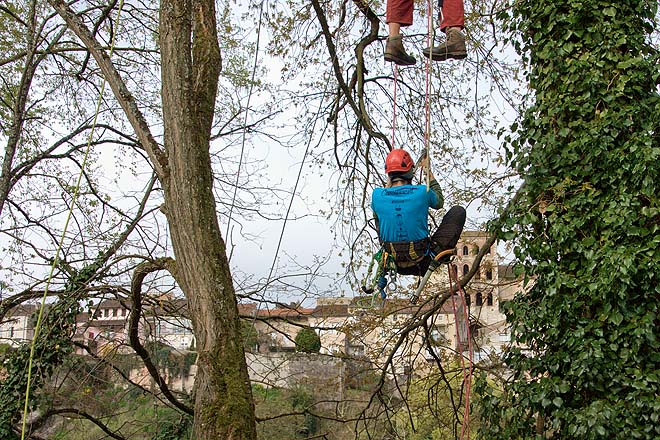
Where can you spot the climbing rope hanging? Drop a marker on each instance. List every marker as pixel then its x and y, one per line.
pixel 427 127
pixel 382 257
pixel 74 199
pixel 396 71
pixel 467 371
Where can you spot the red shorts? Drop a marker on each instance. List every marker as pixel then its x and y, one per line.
pixel 399 11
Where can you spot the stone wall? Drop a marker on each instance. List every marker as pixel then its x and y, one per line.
pixel 281 370
pixel 288 370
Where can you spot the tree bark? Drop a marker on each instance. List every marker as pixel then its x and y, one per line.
pixel 190 58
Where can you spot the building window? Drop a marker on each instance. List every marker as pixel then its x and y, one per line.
pixel 91 335
pixel 489 299
pixel 466 269
pixel 438 335
pixel 479 299
pixel 114 312
pixel 477 274
pixel 11 332
pixel 468 299
pixel 489 274
pixel 123 312
pixel 466 250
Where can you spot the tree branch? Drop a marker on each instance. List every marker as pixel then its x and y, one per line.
pixel 141 271
pixel 360 112
pixel 121 92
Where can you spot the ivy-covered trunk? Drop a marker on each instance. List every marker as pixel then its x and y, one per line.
pixel 190 68
pixel 588 227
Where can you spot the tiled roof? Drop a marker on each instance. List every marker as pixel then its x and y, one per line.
pixel 104 323
pixel 112 304
pixel 331 310
pixel 285 312
pixel 22 310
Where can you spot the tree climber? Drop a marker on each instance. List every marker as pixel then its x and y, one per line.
pixel 452 22
pixel 401 211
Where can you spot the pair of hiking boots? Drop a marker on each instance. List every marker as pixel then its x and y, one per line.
pixel 453 47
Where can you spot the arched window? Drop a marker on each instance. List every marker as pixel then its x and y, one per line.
pixel 466 250
pixel 466 269
pixel 489 274
pixel 479 299
pixel 468 299
pixel 489 299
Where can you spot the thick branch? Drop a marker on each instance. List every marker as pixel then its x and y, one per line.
pixel 81 413
pixel 362 116
pixel 141 271
pixel 121 92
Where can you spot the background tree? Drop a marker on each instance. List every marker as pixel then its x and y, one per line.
pixel 586 358
pixel 190 63
pixel 307 341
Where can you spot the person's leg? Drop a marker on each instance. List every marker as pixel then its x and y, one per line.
pixel 394 29
pixel 417 270
pixel 452 22
pixel 453 15
pixel 449 231
pixel 399 13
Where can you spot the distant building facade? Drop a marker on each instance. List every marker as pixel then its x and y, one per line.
pixel 356 328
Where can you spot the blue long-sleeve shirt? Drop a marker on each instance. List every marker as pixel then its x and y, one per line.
pixel 402 211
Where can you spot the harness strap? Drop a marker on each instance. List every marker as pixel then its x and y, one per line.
pixel 408 253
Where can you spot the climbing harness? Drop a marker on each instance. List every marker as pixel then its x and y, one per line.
pixel 386 267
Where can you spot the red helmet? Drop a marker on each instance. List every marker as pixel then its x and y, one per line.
pixel 398 160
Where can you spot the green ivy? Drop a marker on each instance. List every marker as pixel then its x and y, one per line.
pixel 174 429
pixel 587 228
pixel 51 348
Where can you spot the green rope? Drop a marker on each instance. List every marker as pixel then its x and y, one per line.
pixel 37 327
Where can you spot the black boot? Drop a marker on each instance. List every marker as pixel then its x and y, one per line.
pixel 453 47
pixel 395 52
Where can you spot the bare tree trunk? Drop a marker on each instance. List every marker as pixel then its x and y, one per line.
pixel 191 64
